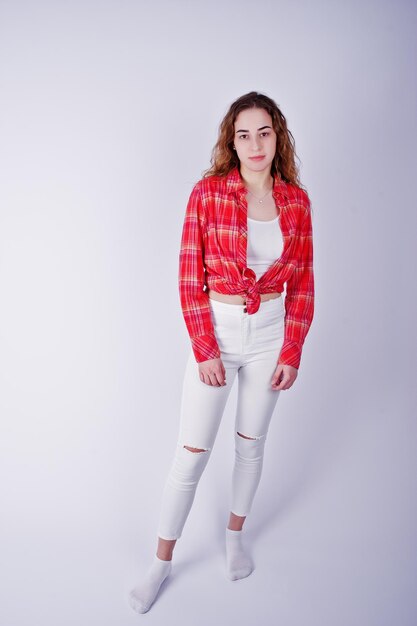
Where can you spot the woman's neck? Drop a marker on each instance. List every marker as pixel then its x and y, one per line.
pixel 257 181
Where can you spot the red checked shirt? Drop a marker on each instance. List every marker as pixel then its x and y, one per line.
pixel 213 255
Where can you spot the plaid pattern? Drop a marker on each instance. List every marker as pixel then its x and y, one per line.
pixel 213 256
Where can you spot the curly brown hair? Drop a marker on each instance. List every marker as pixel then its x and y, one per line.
pixel 224 158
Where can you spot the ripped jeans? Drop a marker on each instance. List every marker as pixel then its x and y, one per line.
pixel 250 346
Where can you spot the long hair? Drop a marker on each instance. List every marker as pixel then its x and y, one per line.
pixel 224 158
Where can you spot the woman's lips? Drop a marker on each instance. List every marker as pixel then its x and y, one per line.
pixel 257 158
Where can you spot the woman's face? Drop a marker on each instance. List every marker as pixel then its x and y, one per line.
pixel 255 140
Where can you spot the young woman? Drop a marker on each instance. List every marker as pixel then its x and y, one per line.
pixel 247 232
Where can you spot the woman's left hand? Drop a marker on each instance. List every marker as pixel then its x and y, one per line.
pixel 284 376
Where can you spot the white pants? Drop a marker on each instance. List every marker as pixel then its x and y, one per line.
pixel 250 346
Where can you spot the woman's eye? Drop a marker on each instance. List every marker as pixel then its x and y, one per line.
pixel 242 136
pixel 265 134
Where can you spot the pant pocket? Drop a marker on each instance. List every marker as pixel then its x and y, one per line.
pixel 269 328
pixel 227 329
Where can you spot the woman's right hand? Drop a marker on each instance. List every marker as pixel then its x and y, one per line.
pixel 213 372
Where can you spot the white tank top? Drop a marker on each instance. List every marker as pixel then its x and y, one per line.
pixel 265 244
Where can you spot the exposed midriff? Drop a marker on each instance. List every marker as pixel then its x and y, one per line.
pixel 238 299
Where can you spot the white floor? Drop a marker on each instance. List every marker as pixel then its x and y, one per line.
pixel 332 537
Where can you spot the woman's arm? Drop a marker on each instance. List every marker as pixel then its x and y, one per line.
pixel 194 301
pixel 299 300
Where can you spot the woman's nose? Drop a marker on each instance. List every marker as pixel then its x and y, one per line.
pixel 255 144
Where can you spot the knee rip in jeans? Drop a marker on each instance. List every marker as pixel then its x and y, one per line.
pixel 246 437
pixel 195 449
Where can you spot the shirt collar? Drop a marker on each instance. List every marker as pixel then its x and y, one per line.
pixel 235 183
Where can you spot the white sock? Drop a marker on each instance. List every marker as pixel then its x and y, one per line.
pixel 143 595
pixel 239 564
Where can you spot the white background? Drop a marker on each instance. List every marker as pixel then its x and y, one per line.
pixel 109 112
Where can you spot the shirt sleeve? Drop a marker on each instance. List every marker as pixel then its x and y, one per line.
pixel 299 300
pixel 191 280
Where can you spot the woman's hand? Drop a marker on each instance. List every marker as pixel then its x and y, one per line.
pixel 213 372
pixel 284 376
